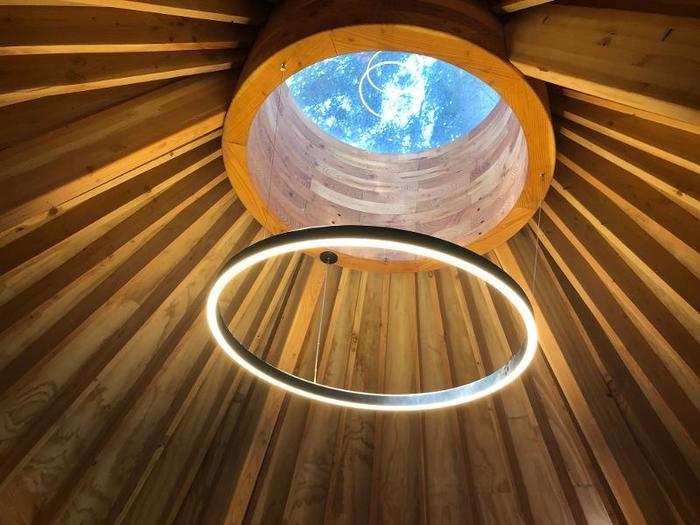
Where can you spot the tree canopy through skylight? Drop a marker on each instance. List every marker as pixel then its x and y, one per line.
pixel 391 102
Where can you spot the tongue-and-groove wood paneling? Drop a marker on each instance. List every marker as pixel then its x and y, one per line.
pixel 116 406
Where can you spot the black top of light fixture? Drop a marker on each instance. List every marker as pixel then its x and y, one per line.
pixel 328 257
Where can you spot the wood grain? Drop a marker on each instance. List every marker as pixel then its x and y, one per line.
pixel 116 405
pixel 28 30
pixel 642 60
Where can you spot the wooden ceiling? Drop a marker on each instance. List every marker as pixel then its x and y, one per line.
pixel 116 213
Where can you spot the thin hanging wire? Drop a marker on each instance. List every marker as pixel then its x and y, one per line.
pixel 278 109
pixel 537 249
pixel 320 322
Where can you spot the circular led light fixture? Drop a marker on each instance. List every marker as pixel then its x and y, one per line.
pixel 382 238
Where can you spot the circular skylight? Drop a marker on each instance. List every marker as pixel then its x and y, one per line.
pixel 391 102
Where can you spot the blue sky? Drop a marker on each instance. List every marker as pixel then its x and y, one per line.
pixel 392 102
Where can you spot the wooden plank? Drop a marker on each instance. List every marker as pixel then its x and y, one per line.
pixel 59 292
pixel 665 373
pixel 679 146
pixel 539 399
pixel 540 496
pixel 399 489
pixel 205 497
pixel 445 463
pixel 561 339
pixel 655 274
pixel 30 30
pixel 558 91
pixel 91 351
pixel 350 488
pixel 128 379
pixel 661 218
pixel 306 499
pixel 238 11
pixel 639 59
pixel 267 504
pixel 265 405
pixel 676 183
pixel 649 256
pixel 491 488
pixel 62 231
pixel 679 484
pixel 154 488
pixel 36 117
pixel 268 501
pixel 28 77
pixel 92 151
pixel 256 312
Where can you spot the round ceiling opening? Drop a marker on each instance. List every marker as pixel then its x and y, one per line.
pixel 388 139
pixel 391 102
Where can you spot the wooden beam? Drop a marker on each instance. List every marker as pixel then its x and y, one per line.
pixel 238 11
pixel 265 403
pixel 254 320
pixel 178 311
pixel 677 478
pixel 642 60
pixel 104 204
pixel 36 117
pixel 445 461
pixel 323 428
pixel 677 184
pixel 637 380
pixel 30 77
pixel 668 223
pixel 664 7
pixel 160 269
pixel 493 497
pixel 50 30
pixel 511 6
pixel 615 295
pixel 660 139
pixel 399 488
pixel 561 338
pixel 644 253
pixel 350 487
pixel 63 164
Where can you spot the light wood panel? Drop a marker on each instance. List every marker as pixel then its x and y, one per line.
pixel 101 150
pixel 643 60
pixel 642 336
pixel 459 192
pixel 36 117
pixel 29 30
pixel 57 48
pixel 511 6
pixel 29 77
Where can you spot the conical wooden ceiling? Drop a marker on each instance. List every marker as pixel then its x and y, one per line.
pixel 116 213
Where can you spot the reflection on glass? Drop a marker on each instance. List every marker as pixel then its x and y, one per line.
pixel 391 102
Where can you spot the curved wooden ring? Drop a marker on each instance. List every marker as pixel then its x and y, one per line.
pixel 461 33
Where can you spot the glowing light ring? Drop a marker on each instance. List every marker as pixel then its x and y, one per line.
pixel 391 239
pixel 366 76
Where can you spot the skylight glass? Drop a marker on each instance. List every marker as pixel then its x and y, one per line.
pixel 391 102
